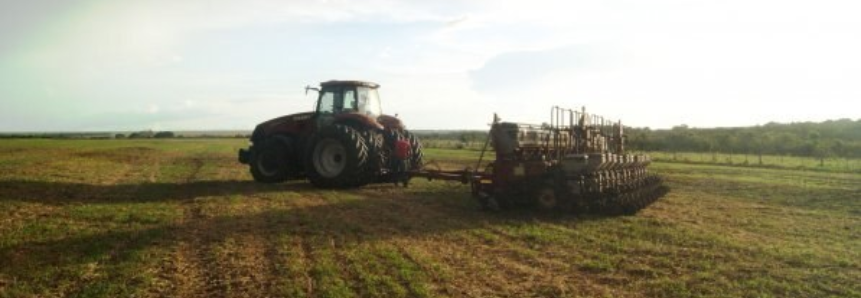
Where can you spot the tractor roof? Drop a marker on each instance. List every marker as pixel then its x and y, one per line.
pixel 349 83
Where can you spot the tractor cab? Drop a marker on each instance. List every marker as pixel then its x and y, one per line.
pixel 336 97
pixel 348 101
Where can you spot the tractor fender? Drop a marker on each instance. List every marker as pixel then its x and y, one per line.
pixel 284 139
pixel 391 123
pixel 358 121
pixel 287 140
pixel 290 124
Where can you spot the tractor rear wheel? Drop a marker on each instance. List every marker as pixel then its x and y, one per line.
pixel 269 162
pixel 337 157
pixel 378 155
pixel 416 153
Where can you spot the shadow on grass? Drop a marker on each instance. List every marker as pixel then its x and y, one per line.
pixel 371 217
pixel 60 193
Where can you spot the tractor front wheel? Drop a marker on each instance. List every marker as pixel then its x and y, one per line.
pixel 269 162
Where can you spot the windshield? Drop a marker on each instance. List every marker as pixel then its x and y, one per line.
pixel 369 101
pixel 337 101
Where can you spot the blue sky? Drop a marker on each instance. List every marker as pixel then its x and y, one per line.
pixel 203 64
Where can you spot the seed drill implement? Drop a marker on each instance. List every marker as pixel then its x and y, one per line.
pixel 574 163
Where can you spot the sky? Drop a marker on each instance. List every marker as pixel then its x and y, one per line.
pixel 97 65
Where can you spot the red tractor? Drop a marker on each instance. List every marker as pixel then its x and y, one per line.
pixel 346 142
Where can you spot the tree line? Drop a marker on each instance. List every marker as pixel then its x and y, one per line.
pixel 145 134
pixel 833 138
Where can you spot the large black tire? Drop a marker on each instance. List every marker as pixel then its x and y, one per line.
pixel 337 157
pixel 416 153
pixel 269 162
pixel 378 155
pixel 545 198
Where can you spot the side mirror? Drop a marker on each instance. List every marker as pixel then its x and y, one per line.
pixel 311 88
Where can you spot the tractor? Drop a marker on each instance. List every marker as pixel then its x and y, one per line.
pixel 346 142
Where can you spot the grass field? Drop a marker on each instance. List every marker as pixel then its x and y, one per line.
pixel 833 164
pixel 181 218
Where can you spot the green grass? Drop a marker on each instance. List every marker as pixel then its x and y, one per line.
pixel 147 218
pixel 832 164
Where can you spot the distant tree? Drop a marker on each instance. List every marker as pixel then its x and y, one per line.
pixel 726 141
pixel 464 140
pixel 811 147
pixel 119 136
pixel 747 141
pixel 141 135
pixel 638 139
pixel 710 146
pixel 164 135
pixel 822 150
pixel 762 141
pixel 838 147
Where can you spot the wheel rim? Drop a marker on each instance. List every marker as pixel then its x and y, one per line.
pixel 330 158
pixel 266 163
pixel 546 198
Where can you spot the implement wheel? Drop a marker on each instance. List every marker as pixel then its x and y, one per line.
pixel 545 198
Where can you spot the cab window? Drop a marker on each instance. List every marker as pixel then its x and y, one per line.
pixel 327 102
pixel 349 102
